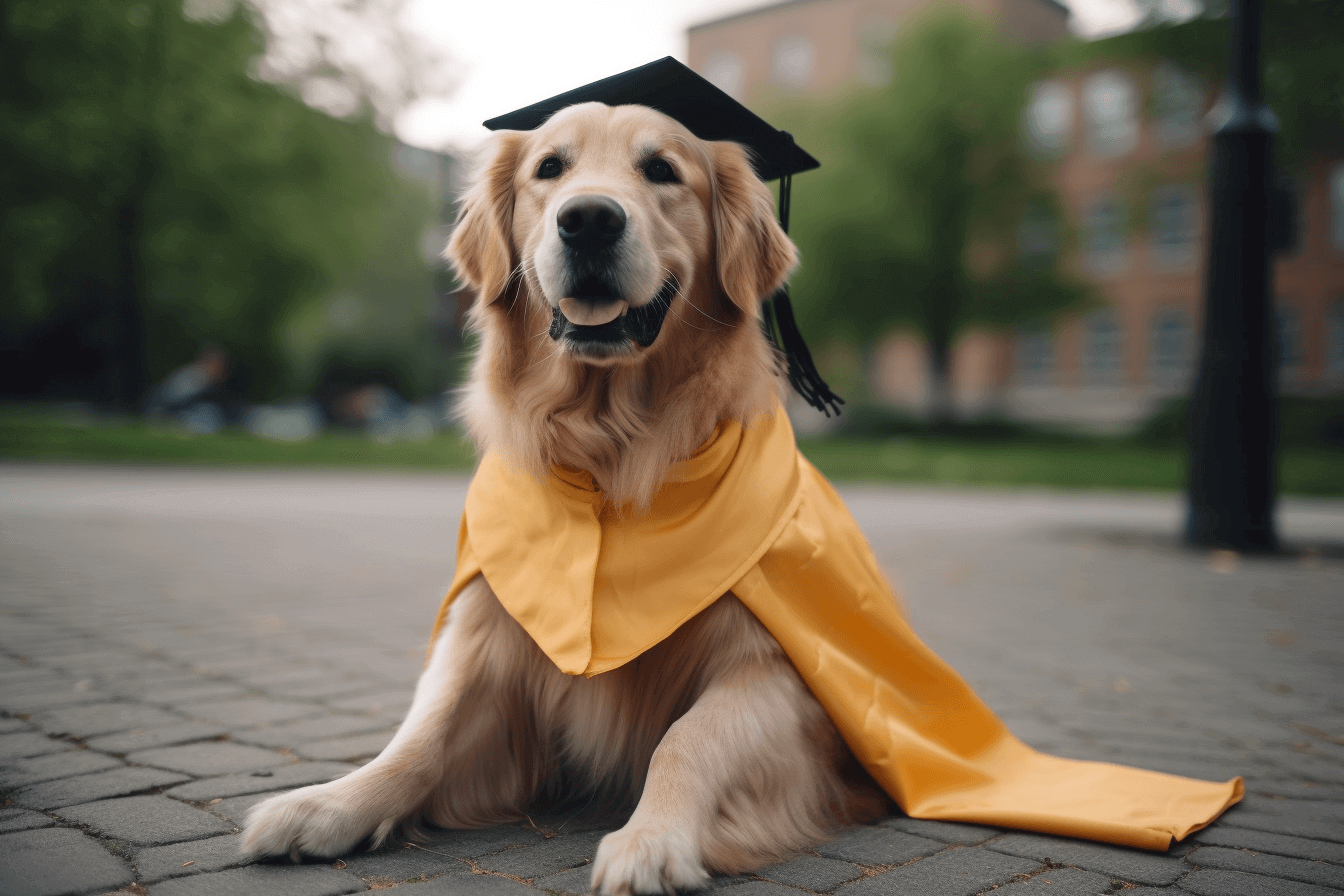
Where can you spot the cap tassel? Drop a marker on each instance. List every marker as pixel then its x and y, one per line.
pixel 781 328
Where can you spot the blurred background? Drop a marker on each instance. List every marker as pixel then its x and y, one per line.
pixel 223 219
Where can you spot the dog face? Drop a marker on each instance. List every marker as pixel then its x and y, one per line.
pixel 615 219
pixel 619 264
pixel 612 217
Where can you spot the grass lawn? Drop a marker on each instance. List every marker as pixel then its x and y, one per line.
pixel 31 436
pixel 1080 463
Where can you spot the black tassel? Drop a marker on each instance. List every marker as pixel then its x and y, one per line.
pixel 782 329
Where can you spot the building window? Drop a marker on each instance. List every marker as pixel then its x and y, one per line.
pixel 875 38
pixel 1110 109
pixel 1289 327
pixel 1104 238
pixel 1171 226
pixel 1178 104
pixel 1170 349
pixel 1334 342
pixel 1102 349
pixel 1038 235
pixel 1035 355
pixel 1049 118
pixel 1337 206
pixel 791 61
pixel 724 70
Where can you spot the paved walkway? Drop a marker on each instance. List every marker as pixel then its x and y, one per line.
pixel 175 646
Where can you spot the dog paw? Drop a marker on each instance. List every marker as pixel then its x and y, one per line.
pixel 318 821
pixel 643 860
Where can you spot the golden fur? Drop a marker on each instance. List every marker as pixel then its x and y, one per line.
pixel 728 760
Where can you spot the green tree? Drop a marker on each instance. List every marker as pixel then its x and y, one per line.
pixel 158 196
pixel 913 219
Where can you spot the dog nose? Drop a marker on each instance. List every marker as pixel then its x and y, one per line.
pixel 590 223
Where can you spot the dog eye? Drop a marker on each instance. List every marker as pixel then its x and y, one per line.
pixel 660 172
pixel 551 166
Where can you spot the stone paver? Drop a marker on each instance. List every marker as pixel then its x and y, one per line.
pixel 292 734
pixel 156 863
pixel 184 696
pixel 384 703
pixel 1133 865
pixel 214 758
pixel 878 846
pixel 324 687
pixel 56 862
pixel 232 635
pixel 37 769
pixel 146 820
pixel 148 738
pixel 557 854
pixel 23 820
pixel 281 880
pixel 26 699
pixel 98 786
pixel 403 862
pixel 759 888
pixel 1308 872
pixel 1274 844
pixel 287 776
pixel 957 872
pixel 102 718
pixel 1059 882
pixel 816 873
pixel 1310 828
pixel 477 842
pixel 943 831
pixel 22 744
pixel 574 882
pixel 471 885
pixel 1235 883
pixel 253 711
pixel 347 748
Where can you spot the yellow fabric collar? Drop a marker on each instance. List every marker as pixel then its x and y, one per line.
pixel 748 514
pixel 596 588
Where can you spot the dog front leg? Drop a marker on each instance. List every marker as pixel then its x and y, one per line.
pixel 330 819
pixel 717 785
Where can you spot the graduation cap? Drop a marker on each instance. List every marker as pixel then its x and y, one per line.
pixel 710 114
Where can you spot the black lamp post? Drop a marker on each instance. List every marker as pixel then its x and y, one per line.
pixel 1234 414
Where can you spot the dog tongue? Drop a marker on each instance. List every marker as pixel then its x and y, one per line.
pixel 587 313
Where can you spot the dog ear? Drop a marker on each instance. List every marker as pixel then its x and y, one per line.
pixel 754 254
pixel 481 246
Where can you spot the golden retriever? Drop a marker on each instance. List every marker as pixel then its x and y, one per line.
pixel 619 264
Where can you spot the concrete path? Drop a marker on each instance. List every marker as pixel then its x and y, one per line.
pixel 175 646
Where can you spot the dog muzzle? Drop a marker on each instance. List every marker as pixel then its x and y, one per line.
pixel 640 325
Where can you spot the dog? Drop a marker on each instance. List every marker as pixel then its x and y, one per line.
pixel 619 265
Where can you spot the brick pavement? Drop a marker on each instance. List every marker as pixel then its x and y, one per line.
pixel 175 646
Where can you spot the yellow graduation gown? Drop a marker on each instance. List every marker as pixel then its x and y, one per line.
pixel 748 514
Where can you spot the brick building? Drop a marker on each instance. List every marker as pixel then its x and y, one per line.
pixel 1130 147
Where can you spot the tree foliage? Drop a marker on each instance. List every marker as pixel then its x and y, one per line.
pixel 346 54
pixel 912 220
pixel 158 196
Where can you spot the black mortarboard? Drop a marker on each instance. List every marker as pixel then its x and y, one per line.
pixel 710 114
pixel 676 91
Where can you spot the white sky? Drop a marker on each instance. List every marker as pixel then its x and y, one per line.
pixel 515 52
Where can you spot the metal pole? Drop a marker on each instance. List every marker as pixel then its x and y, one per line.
pixel 1234 413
